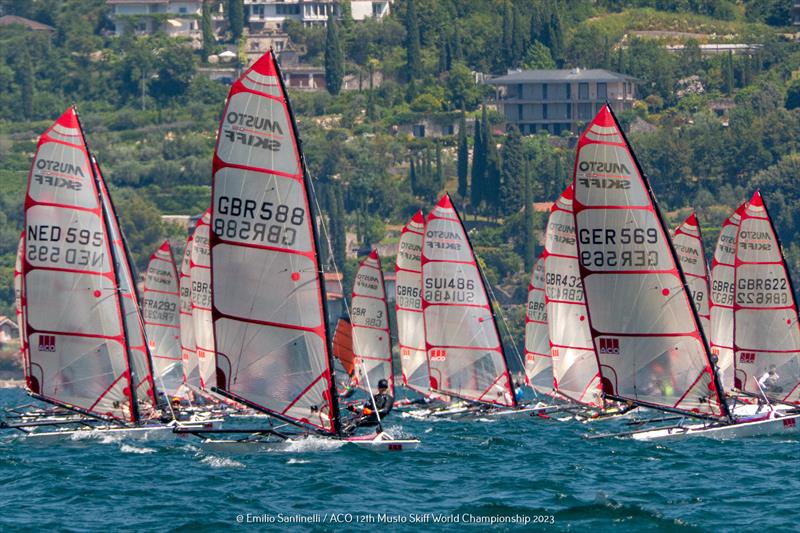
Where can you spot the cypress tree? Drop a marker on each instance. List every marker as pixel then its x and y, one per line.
pixel 518 41
pixel 26 81
pixel 554 38
pixel 456 51
pixel 463 157
pixel 208 33
pixel 439 169
pixel 413 52
pixel 508 37
pixel 334 57
pixel 728 72
pixel 512 186
pixel 478 168
pixel 529 235
pixel 412 174
pixel 492 171
pixel 236 18
pixel 443 54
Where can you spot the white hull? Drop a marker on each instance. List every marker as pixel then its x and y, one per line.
pixel 460 412
pixel 118 433
pixel 780 425
pixel 380 442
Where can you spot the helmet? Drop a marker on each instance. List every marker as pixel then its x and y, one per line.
pixel 383 384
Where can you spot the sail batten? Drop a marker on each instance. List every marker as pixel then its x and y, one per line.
pixel 576 373
pixel 271 340
pixel 465 354
pixel 646 332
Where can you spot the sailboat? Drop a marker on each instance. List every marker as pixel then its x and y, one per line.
pixel 202 324
pixel 19 302
pixel 688 243
pixel 765 319
pixel 575 365
pixel 652 349
pixel 271 339
pixel 86 344
pixel 538 359
pixel 161 318
pixel 466 357
pixel 191 371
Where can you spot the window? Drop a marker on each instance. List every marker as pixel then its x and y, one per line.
pixel 544 111
pixel 288 10
pixel 544 91
pixel 519 113
pixel 602 91
pixel 568 91
pixel 182 10
pixel 569 111
pixel 584 111
pixel 583 91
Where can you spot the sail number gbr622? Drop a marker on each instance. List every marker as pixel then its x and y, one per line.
pixel 265 222
pixel 611 239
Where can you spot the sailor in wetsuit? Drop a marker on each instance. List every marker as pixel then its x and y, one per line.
pixel 366 415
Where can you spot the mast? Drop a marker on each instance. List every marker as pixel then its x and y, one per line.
pixel 115 263
pixel 647 332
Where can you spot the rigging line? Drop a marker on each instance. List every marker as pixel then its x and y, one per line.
pixel 508 329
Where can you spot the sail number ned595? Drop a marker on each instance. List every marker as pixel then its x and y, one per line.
pixel 248 220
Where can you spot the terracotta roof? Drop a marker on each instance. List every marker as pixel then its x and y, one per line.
pixel 9 20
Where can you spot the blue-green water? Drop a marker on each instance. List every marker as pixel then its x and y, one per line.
pixel 471 470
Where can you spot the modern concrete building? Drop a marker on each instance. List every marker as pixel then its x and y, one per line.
pixel 272 14
pixel 560 100
pixel 174 18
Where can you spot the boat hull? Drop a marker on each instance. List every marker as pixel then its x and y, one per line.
pixel 784 425
pixel 153 432
pixel 312 443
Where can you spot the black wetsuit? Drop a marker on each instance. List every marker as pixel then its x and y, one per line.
pixel 383 402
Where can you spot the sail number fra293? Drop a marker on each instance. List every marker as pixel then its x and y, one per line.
pixel 610 257
pixel 267 222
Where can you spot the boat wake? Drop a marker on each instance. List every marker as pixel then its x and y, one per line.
pixel 220 462
pixel 127 448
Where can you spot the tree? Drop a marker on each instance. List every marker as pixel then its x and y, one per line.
pixel 463 157
pixel 413 46
pixel 728 83
pixel 208 33
pixel 512 186
pixel 478 168
pixel 175 71
pixel 553 38
pixel 236 18
pixel 793 95
pixel 26 82
pixel 508 35
pixel 538 57
pixel 491 182
pixel 529 233
pixel 334 57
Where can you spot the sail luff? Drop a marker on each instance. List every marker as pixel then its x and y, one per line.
pixel 19 305
pixel 646 331
pixel 766 332
pixel 464 347
pixel 408 306
pixel 271 336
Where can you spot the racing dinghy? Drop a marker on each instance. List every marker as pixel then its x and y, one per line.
pixel 647 334
pixel 271 340
pixel 87 354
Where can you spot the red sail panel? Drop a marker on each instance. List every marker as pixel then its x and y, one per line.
pixel 19 304
pixel 766 333
pixel 575 369
pixel 721 302
pixel 408 304
pixel 202 322
pixel 161 318
pixel 142 365
pixel 538 359
pixel 369 316
pixel 688 243
pixel 463 344
pixel 191 370
pixel 75 336
pixel 645 329
pixel 343 346
pixel 269 320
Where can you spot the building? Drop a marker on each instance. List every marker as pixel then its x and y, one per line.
pixel 13 20
pixel 175 18
pixel 272 14
pixel 560 100
pixel 9 331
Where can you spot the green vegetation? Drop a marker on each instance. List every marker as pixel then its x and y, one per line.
pixel 151 118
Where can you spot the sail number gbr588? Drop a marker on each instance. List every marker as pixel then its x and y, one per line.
pixel 610 239
pixel 265 222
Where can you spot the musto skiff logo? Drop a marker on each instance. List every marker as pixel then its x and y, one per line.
pixel 603 175
pixel 47 343
pixel 252 130
pixel 58 174
pixel 609 346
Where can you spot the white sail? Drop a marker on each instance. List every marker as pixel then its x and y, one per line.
pixel 191 370
pixel 369 316
pixel 464 349
pixel 19 305
pixel 78 351
pixel 272 343
pixel 161 318
pixel 202 323
pixel 765 327
pixel 645 329
pixel 721 302
pixel 688 243
pixel 538 360
pixel 410 328
pixel 575 368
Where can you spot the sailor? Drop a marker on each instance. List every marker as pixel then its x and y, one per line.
pixel 519 392
pixel 366 416
pixel 769 380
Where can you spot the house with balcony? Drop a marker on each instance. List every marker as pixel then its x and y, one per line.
pixel 263 15
pixel 560 100
pixel 175 18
